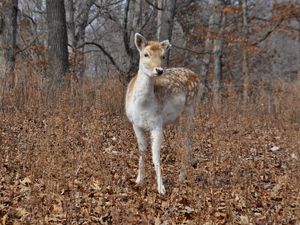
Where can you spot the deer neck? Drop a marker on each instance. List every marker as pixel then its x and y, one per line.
pixel 144 86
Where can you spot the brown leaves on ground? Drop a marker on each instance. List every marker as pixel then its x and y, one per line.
pixel 65 166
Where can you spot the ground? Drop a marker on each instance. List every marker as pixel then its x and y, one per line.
pixel 64 165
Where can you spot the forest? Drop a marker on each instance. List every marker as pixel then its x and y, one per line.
pixel 68 153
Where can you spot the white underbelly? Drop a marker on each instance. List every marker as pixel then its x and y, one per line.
pixel 151 114
pixel 147 118
pixel 173 108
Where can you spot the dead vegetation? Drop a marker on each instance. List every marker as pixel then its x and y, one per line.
pixel 72 159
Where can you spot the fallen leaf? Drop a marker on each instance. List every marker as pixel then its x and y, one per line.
pixel 275 149
pixel 244 220
pixel 21 212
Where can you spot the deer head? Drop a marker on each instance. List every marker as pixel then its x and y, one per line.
pixel 151 55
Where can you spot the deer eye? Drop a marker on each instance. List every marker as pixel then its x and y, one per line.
pixel 146 55
pixel 163 57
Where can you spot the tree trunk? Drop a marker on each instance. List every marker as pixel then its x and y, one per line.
pixel 57 40
pixel 132 24
pixel 80 32
pixel 70 9
pixel 8 34
pixel 245 70
pixel 218 77
pixel 218 24
pixel 165 22
pixel 76 31
pixel 207 55
pixel 135 25
pixel 212 46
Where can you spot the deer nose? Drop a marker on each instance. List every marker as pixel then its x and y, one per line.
pixel 159 71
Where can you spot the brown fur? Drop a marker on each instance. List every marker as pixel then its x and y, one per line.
pixel 174 80
pixel 130 89
pixel 177 80
pixel 153 45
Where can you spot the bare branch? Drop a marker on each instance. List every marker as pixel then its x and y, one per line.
pixel 269 32
pixel 27 47
pixel 29 17
pixel 105 52
pixel 267 21
pixel 147 20
pixel 154 6
pixel 192 51
pixel 125 28
pixel 184 4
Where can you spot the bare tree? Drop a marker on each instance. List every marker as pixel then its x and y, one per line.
pixel 245 70
pixel 132 23
pixel 76 25
pixel 218 25
pixel 212 45
pixel 135 21
pixel 8 34
pixel 165 22
pixel 70 20
pixel 207 49
pixel 57 40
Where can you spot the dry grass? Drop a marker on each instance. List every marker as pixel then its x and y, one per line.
pixel 71 158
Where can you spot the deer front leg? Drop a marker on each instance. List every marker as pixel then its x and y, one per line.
pixel 142 144
pixel 157 139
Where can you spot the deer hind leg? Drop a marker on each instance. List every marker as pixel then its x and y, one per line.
pixel 157 139
pixel 142 144
pixel 186 130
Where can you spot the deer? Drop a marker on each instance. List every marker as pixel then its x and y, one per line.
pixel 156 97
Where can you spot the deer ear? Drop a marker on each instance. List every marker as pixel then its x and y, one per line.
pixel 140 41
pixel 165 44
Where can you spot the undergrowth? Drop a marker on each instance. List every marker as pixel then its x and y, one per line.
pixel 69 156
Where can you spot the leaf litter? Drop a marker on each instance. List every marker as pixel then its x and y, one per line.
pixel 58 169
